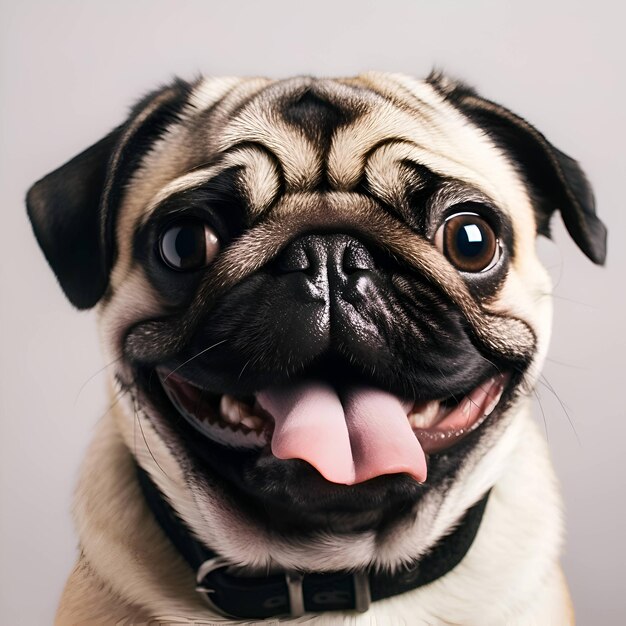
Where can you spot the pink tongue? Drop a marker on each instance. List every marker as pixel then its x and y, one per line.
pixel 366 435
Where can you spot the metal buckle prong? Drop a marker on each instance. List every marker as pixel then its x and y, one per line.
pixel 362 595
pixel 296 595
pixel 206 568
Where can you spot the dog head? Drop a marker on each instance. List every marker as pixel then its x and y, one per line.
pixel 321 297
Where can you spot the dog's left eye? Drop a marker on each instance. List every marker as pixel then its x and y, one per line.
pixel 469 242
pixel 188 244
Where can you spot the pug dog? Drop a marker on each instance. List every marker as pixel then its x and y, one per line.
pixel 323 317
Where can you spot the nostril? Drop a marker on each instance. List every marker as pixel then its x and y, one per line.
pixel 330 257
pixel 294 259
pixel 360 287
pixel 357 258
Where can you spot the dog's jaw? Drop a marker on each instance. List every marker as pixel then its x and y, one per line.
pixel 218 519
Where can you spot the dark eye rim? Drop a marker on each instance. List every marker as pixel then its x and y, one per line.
pixel 176 221
pixel 457 211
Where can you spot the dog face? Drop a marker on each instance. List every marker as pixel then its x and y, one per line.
pixel 321 297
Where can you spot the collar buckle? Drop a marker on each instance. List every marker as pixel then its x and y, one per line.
pixel 294 584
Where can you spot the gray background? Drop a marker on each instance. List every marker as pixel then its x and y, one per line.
pixel 69 71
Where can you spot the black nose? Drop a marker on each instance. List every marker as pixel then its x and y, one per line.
pixel 333 264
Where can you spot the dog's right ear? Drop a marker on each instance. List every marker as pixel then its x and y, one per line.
pixel 557 182
pixel 72 210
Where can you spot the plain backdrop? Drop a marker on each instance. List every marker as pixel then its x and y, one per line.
pixel 70 70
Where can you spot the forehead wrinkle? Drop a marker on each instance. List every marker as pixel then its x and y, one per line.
pixel 449 146
pixel 259 178
pixel 413 97
pixel 388 176
pixel 390 120
pixel 260 121
pixel 381 123
pixel 262 182
pixel 190 180
pixel 211 122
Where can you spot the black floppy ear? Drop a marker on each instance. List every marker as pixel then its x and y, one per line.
pixel 65 211
pixel 73 209
pixel 556 180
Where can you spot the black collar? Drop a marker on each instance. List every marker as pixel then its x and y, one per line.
pixel 294 593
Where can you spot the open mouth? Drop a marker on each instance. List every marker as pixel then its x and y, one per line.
pixel 349 434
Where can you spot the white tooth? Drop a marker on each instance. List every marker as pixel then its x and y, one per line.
pixel 235 412
pixel 243 411
pixel 252 421
pixel 229 409
pixel 426 416
pixel 225 403
pixel 494 400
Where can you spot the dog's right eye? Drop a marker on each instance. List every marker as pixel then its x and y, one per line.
pixel 188 244
pixel 469 242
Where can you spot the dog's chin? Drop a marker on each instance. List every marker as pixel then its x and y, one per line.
pixel 233 440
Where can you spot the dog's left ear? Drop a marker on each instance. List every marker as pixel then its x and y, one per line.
pixel 556 180
pixel 72 210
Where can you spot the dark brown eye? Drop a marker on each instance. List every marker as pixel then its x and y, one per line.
pixel 188 245
pixel 468 242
